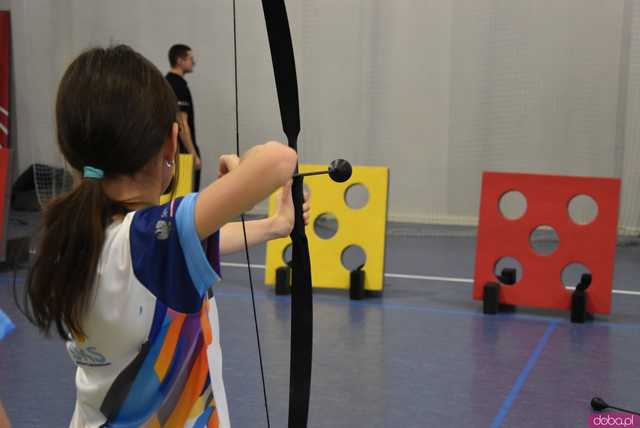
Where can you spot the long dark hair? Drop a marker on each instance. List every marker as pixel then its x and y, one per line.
pixel 114 111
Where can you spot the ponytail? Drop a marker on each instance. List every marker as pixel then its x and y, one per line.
pixel 60 284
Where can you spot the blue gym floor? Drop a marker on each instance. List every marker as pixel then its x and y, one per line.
pixel 422 355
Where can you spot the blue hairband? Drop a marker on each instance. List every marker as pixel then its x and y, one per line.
pixel 91 172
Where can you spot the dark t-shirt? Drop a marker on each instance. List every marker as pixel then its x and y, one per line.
pixel 185 104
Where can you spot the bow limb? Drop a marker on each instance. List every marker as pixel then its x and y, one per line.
pixel 284 70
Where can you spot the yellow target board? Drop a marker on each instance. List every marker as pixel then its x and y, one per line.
pixel 362 227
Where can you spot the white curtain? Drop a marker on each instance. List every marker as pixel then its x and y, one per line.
pixel 438 90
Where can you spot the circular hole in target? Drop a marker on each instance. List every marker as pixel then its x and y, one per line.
pixel 583 209
pixel 353 257
pixel 506 265
pixel 512 205
pixel 287 254
pixel 544 240
pixel 572 274
pixel 356 196
pixel 326 225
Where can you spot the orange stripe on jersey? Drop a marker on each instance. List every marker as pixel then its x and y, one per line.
pixel 153 423
pixel 191 391
pixel 213 419
pixel 205 324
pixel 198 407
pixel 169 346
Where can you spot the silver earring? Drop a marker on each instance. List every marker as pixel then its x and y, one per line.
pixel 168 164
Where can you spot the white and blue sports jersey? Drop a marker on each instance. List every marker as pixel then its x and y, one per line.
pixel 152 354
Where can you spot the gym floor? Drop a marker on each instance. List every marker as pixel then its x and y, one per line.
pixel 421 355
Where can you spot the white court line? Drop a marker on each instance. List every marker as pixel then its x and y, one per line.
pixel 426 278
pixel 3 111
pixel 627 292
pixel 241 265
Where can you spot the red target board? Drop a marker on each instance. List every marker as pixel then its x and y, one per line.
pixel 547 204
pixel 5 47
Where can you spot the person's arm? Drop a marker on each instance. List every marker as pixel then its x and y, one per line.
pixel 185 137
pixel 260 171
pixel 258 231
pixel 278 225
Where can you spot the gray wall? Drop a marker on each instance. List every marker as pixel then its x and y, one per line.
pixel 438 90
